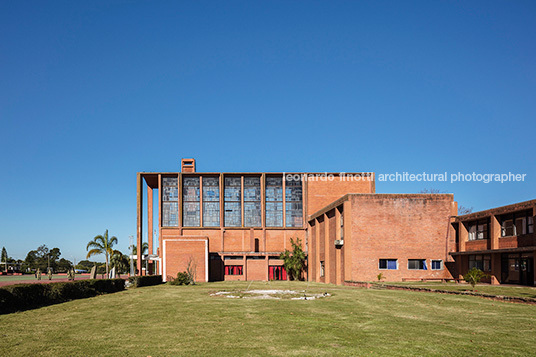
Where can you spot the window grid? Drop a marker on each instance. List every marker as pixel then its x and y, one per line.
pixel 252 201
pixel 293 203
pixel 232 201
pixel 190 202
pixel 170 204
pixel 274 201
pixel 211 201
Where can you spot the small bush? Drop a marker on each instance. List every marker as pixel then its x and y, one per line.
pixel 146 280
pixel 474 276
pixel 183 278
pixel 29 296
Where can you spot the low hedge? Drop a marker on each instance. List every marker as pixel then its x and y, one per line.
pixel 146 280
pixel 30 296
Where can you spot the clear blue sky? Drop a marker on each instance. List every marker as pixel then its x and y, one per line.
pixel 93 92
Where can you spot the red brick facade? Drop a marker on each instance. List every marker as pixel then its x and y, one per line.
pixel 375 227
pixel 348 232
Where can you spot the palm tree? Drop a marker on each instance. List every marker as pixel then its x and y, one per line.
pixel 144 248
pixel 102 245
pixel 119 261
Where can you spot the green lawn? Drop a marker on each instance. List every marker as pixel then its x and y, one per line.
pixel 177 320
pixel 505 290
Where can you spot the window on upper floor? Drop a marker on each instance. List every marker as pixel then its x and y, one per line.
pixel 252 201
pixel 170 202
pixel 232 195
pixel 293 201
pixel 274 201
pixel 211 201
pixel 518 223
pixel 190 202
pixel 478 229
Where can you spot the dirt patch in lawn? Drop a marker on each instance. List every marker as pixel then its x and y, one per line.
pixel 270 294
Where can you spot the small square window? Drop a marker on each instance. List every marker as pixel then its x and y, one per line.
pixel 437 264
pixel 388 264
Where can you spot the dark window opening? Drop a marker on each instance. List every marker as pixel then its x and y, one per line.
pixel 388 264
pixel 417 264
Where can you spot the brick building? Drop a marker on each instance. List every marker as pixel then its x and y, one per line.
pixel 499 241
pixel 234 226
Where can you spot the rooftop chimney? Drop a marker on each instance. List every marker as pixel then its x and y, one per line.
pixel 188 165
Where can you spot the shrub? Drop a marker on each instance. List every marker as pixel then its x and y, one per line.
pixel 28 296
pixel 146 280
pixel 183 278
pixel 474 276
pixel 294 262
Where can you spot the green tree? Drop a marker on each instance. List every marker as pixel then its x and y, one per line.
pixel 120 261
pixel 4 256
pixel 144 248
pixel 102 244
pixel 31 260
pixel 474 276
pixel 63 265
pixel 85 265
pixel 294 261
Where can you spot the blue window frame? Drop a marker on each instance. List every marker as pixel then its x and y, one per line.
pixel 388 264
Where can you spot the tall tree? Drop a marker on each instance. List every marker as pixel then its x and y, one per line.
pixel 102 244
pixel 31 259
pixel 4 256
pixel 294 261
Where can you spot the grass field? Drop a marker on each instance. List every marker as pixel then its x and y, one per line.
pixel 505 290
pixel 177 320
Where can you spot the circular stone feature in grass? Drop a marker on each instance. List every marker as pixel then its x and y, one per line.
pixel 270 294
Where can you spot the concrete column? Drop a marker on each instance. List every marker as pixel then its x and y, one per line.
pixel 495 269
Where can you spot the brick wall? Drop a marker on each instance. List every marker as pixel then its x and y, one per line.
pixel 322 193
pixel 178 251
pixel 399 227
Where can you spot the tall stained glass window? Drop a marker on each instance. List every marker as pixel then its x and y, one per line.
pixel 232 201
pixel 211 201
pixel 190 202
pixel 170 202
pixel 274 201
pixel 252 201
pixel 293 202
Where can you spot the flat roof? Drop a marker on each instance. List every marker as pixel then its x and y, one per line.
pixel 339 201
pixel 497 211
